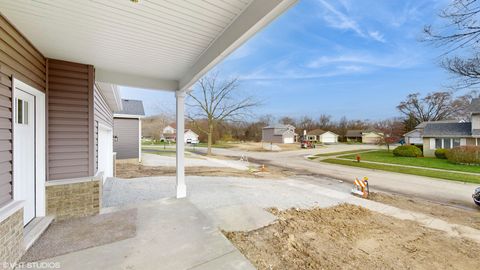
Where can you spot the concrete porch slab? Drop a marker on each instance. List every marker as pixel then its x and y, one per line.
pixel 171 234
pixel 241 217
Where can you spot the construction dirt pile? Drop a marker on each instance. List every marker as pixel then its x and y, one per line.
pixel 134 170
pixel 351 237
pixel 453 214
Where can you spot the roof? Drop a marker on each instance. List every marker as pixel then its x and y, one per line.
pixel 423 124
pixel 165 45
pixel 316 132
pixel 475 106
pixel 279 129
pixel 354 133
pixel 434 129
pixel 132 107
pixel 280 126
pixel 413 131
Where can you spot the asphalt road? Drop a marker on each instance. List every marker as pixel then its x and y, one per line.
pixel 341 177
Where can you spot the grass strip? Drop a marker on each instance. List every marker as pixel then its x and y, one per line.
pixel 460 177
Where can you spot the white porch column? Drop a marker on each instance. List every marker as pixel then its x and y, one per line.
pixel 180 142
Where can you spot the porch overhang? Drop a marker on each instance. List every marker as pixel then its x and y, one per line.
pixel 164 45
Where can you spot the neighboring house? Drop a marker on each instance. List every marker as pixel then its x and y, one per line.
pixel 170 134
pixel 415 136
pixel 353 136
pixel 322 136
pixel 170 129
pixel 127 130
pixel 364 136
pixel 371 136
pixel 58 89
pixel 191 137
pixel 447 135
pixel 279 134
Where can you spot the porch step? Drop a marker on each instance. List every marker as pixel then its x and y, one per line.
pixel 34 230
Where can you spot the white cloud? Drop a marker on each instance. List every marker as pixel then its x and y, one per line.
pixel 377 36
pixel 340 20
pixel 398 60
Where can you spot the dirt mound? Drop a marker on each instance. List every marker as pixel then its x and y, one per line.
pixel 449 213
pixel 351 237
pixel 134 170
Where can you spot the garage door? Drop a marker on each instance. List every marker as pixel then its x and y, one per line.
pixel 329 139
pixel 287 140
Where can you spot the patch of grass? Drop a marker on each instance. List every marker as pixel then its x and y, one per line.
pixel 342 153
pixel 427 162
pixel 421 172
pixel 161 152
pixel 156 143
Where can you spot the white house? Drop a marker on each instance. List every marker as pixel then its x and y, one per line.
pixel 322 136
pixel 169 130
pixel 170 134
pixel 191 137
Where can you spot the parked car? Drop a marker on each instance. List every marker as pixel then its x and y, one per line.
pixel 476 196
pixel 307 144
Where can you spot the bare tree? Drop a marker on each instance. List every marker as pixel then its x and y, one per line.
pixel 324 121
pixel 391 131
pixel 434 106
pixel 287 121
pixel 216 101
pixel 306 123
pixel 153 126
pixel 459 34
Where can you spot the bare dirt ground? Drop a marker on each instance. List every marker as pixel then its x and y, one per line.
pixel 134 170
pixel 351 237
pixel 463 216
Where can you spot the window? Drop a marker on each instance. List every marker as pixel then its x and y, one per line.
pixel 22 112
pixel 438 143
pixel 447 143
pixel 456 142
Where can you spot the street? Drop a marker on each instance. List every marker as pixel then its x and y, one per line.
pixel 437 190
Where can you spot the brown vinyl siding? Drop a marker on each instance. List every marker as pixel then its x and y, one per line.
pixel 126 130
pixel 103 115
pixel 19 59
pixel 70 129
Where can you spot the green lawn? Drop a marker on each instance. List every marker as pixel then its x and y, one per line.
pixel 157 143
pixel 427 162
pixel 160 151
pixel 342 153
pixel 422 172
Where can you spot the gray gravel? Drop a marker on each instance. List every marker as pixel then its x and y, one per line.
pixel 217 192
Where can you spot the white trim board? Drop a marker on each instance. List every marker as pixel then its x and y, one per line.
pixel 134 116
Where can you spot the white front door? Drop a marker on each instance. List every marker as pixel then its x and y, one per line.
pixel 24 152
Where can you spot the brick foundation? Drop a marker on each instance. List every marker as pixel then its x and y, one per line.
pixel 73 199
pixel 11 240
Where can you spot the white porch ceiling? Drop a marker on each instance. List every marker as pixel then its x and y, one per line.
pixel 159 44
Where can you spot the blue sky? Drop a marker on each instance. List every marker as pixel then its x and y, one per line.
pixel 350 58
